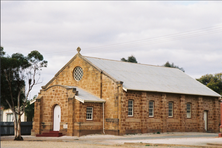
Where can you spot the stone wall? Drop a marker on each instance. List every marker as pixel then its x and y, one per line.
pixel 91 80
pixel 161 122
pixel 44 108
pixel 83 126
pixel 154 124
pixel 132 123
pixel 173 123
pixel 192 123
pixel 211 105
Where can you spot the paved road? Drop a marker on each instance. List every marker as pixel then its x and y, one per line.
pixel 160 136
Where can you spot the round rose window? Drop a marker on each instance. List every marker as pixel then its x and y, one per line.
pixel 78 73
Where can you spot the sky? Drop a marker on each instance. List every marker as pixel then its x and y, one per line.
pixel 188 34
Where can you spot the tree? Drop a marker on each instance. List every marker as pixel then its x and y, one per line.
pixel 131 59
pixel 214 82
pixel 19 74
pixel 2 53
pixel 29 109
pixel 167 64
pixel 5 61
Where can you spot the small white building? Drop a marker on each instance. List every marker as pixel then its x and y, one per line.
pixel 7 116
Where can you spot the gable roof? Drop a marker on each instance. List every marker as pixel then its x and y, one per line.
pixel 143 77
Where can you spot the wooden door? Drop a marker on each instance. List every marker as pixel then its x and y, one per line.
pixel 205 120
pixel 57 118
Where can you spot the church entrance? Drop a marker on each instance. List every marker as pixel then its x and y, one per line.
pixel 57 118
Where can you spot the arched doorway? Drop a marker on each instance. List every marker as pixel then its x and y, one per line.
pixel 57 118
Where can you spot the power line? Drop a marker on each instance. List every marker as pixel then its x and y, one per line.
pixel 157 39
pixel 175 35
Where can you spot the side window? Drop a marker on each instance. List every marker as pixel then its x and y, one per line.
pixel 151 108
pixel 188 110
pixel 10 117
pixel 170 109
pixel 130 108
pixel 89 113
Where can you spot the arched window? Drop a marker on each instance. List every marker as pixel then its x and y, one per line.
pixel 188 110
pixel 170 109
pixel 151 108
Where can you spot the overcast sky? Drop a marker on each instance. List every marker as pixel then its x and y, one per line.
pixel 189 34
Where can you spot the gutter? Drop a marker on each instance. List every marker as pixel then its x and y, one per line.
pixel 170 92
pixel 92 101
pixel 125 89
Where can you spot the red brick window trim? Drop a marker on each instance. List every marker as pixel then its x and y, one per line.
pixel 130 108
pixel 170 109
pixel 89 113
pixel 151 108
pixel 188 110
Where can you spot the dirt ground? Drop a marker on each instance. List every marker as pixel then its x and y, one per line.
pixel 51 144
pixel 173 140
pixel 47 144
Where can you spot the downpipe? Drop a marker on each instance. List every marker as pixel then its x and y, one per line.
pixel 103 120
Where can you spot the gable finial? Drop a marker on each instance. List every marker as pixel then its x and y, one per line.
pixel 78 49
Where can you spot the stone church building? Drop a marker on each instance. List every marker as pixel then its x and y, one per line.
pixel 93 95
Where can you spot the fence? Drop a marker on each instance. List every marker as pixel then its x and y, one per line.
pixel 7 128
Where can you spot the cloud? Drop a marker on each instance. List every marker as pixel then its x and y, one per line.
pixel 186 33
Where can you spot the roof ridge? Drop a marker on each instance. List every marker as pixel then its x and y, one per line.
pixel 129 62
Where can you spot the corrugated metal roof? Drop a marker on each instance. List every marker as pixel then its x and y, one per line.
pixel 143 77
pixel 84 96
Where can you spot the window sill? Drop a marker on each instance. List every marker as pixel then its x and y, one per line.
pixel 89 119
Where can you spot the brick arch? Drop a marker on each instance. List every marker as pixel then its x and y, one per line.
pixel 55 95
pixel 55 86
pixel 53 103
pixel 53 106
